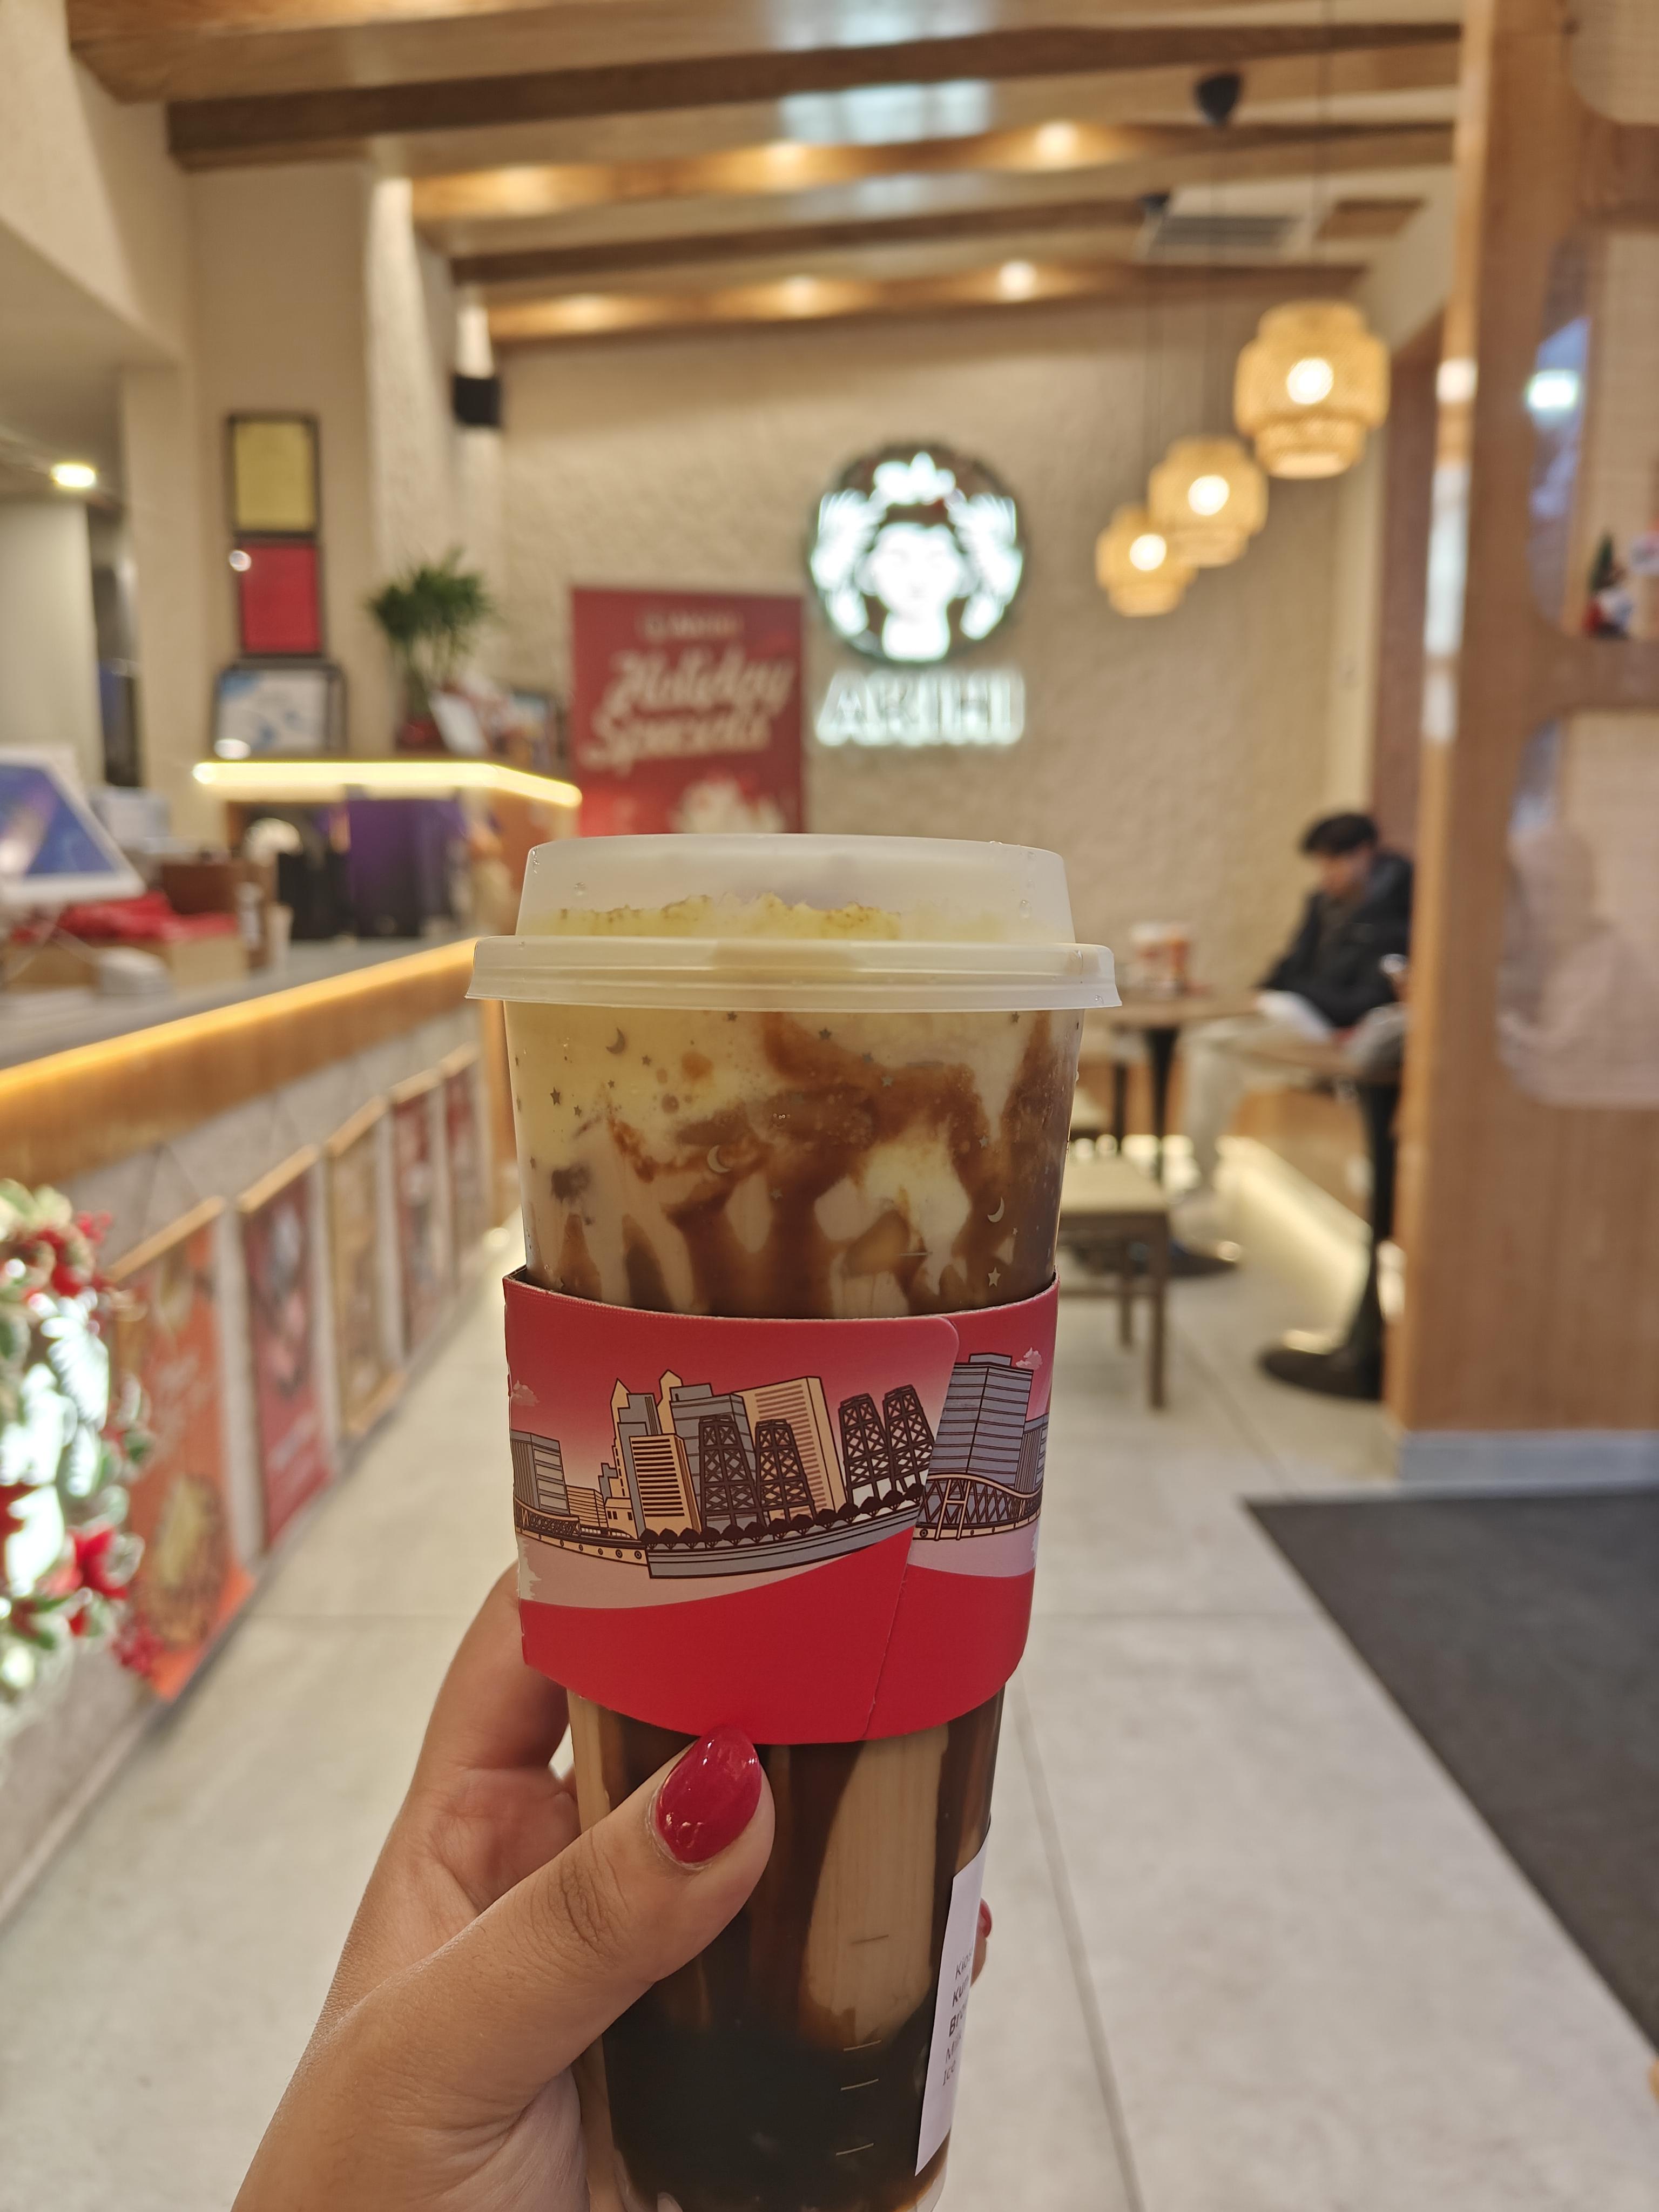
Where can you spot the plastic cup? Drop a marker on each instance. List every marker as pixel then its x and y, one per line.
pixel 794 1076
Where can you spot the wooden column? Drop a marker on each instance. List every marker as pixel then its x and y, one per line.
pixel 1407 507
pixel 1531 1231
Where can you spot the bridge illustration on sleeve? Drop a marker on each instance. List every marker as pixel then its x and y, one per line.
pixel 704 1482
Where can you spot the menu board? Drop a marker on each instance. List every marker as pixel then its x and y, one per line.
pixel 416 1180
pixel 279 1235
pixel 368 1377
pixel 189 1581
pixel 469 1169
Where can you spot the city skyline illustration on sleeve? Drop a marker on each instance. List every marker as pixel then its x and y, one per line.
pixel 699 1481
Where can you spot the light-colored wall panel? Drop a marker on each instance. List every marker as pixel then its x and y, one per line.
pixel 1173 762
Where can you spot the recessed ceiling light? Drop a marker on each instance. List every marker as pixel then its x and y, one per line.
pixel 1016 280
pixel 1057 143
pixel 73 476
pixel 1455 380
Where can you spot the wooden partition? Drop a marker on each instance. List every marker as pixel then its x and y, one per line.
pixel 1531 1227
pixel 1407 510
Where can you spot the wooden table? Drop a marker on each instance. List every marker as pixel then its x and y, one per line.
pixel 1160 1022
pixel 1108 1207
pixel 1352 1367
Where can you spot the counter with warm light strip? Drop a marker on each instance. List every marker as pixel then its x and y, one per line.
pixel 86 1086
pixel 326 780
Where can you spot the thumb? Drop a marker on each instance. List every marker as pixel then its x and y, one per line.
pixel 507 2004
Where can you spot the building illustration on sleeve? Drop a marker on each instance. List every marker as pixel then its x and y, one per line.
pixel 704 1482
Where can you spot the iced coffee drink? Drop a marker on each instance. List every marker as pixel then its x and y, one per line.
pixel 783 2068
pixel 831 1079
pixel 771 1164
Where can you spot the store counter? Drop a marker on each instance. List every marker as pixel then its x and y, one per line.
pixel 301 1172
pixel 88 1081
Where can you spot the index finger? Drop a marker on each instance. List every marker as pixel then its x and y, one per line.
pixel 493 1710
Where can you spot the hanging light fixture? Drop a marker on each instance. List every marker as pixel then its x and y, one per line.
pixel 1135 567
pixel 1133 563
pixel 1311 386
pixel 1314 381
pixel 1208 499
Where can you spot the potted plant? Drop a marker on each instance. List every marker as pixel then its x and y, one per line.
pixel 430 615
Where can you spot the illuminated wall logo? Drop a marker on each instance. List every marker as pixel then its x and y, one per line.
pixel 915 554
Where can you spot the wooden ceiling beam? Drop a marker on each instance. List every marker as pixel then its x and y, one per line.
pixel 583 318
pixel 1296 82
pixel 301 125
pixel 459 212
pixel 625 256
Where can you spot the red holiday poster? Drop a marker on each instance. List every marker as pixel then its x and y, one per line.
pixel 189 1581
pixel 278 1246
pixel 423 1261
pixel 369 1381
pixel 685 711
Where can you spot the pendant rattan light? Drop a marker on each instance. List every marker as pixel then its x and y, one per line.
pixel 1209 499
pixel 1133 563
pixel 1134 567
pixel 1309 386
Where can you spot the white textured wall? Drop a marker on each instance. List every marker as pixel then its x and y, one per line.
pixel 173 537
pixel 1356 622
pixel 412 330
pixel 282 327
pixel 1172 761
pixel 88 183
pixel 48 642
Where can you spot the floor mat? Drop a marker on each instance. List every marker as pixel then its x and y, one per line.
pixel 1520 1636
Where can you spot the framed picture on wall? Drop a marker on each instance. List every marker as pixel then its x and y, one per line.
pixel 418 1179
pixel 273 474
pixel 279 709
pixel 170 1337
pixel 279 1235
pixel 279 607
pixel 470 1208
pixel 369 1378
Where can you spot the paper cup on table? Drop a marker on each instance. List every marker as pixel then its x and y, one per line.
pixel 786 1079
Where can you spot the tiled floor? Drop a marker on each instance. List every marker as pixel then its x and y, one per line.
pixel 1253 1953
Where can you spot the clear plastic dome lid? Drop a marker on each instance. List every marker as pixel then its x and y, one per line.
pixel 822 924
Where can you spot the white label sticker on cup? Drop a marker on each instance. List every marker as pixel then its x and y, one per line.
pixel 956 1975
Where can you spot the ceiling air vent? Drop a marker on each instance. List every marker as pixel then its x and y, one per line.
pixel 1169 237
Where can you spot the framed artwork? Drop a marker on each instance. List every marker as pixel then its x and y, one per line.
pixel 280 710
pixel 278 596
pixel 368 1379
pixel 417 1184
pixel 273 474
pixel 468 1167
pixel 279 1236
pixel 169 1335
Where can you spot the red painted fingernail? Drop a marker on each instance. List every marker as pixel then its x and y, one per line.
pixel 710 1798
pixel 984 1918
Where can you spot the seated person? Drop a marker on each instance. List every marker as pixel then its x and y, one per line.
pixel 1329 978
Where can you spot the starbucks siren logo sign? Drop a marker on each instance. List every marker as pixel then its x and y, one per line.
pixel 917 553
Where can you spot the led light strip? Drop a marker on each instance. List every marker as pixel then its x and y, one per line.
pixel 322 782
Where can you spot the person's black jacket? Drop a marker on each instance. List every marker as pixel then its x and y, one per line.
pixel 1342 978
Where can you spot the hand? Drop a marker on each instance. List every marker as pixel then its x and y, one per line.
pixel 493 1945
